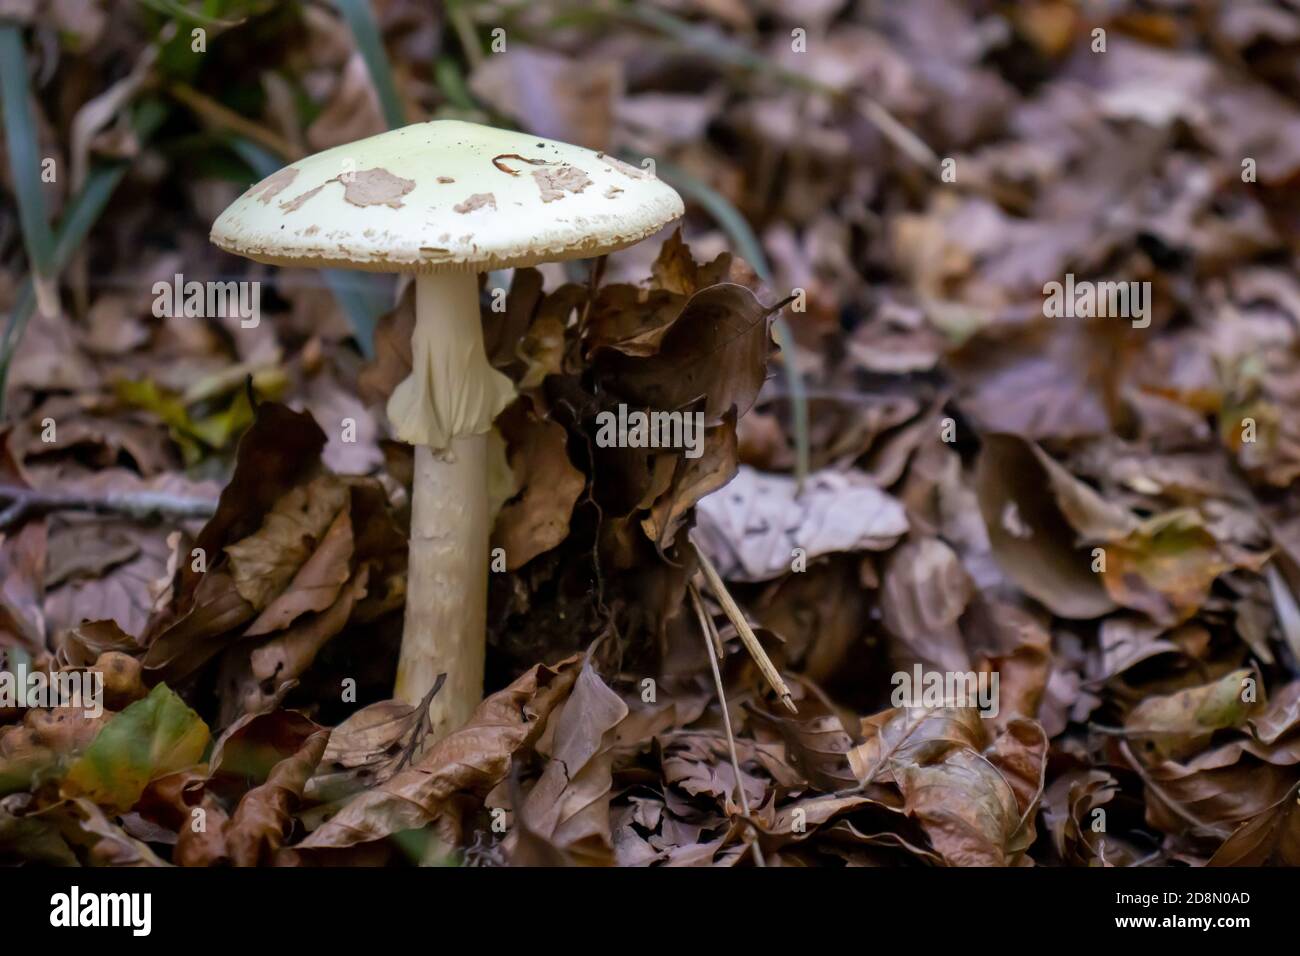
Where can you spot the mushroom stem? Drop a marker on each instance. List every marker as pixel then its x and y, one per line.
pixel 445 408
pixel 446 596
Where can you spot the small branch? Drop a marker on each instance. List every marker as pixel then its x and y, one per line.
pixel 713 643
pixel 422 723
pixel 26 503
pixel 747 636
pixel 904 140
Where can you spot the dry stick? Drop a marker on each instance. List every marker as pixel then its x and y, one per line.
pixel 421 728
pixel 747 636
pixel 139 505
pixel 706 621
pixel 903 138
pixel 713 640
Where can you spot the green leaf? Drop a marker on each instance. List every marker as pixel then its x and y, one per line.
pixel 194 434
pixel 150 739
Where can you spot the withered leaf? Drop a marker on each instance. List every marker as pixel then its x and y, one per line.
pixel 716 349
pixel 467 763
pixel 751 528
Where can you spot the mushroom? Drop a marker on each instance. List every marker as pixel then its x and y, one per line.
pixel 446 200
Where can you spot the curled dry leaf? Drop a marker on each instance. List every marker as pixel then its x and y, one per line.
pixel 716 349
pixel 263 818
pixel 692 481
pixel 363 750
pixel 1031 537
pixel 536 519
pixel 569 804
pixel 470 762
pixel 1271 838
pixel 751 528
pixel 975 801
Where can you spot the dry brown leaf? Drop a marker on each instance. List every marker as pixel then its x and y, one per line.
pixel 466 764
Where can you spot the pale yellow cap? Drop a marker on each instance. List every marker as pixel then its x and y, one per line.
pixel 446 196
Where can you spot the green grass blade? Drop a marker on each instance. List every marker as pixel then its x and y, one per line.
pixel 452 84
pixel 737 227
pixel 24 151
pixel 81 215
pixel 173 8
pixel 363 297
pixel 361 21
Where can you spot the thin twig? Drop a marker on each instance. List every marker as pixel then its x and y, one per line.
pixel 747 636
pixel 705 621
pixel 421 728
pixel 712 641
pixel 139 505
pixel 904 140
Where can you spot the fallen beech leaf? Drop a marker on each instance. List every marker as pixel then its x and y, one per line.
pixel 206 847
pixel 315 584
pixel 1271 838
pixel 751 528
pixel 265 674
pixel 569 804
pixel 716 349
pixel 104 842
pixel 693 480
pixel 150 739
pixel 32 840
pixel 278 451
pixel 1178 725
pixel 1165 567
pixel 262 820
pixel 975 812
pixel 818 748
pixel 1078 832
pixel 463 766
pixel 924 591
pixel 1031 538
pixel 536 519
pixel 1218 789
pixel 363 750
pixel 82 645
pixel 264 563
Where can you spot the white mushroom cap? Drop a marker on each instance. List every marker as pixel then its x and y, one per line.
pixel 446 196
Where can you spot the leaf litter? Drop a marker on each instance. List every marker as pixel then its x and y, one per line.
pixel 1102 513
